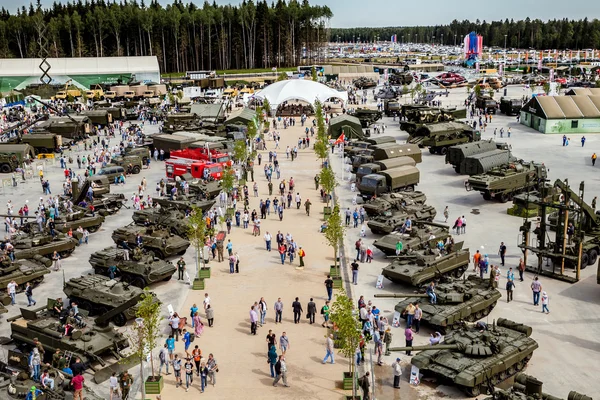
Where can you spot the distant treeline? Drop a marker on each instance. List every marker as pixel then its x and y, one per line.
pixel 184 36
pixel 528 33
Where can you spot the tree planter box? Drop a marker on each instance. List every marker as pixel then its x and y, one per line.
pixel 156 386
pixel 337 282
pixel 326 212
pixel 334 272
pixel 347 382
pixel 198 284
pixel 204 273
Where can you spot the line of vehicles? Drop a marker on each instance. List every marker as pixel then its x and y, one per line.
pixel 130 91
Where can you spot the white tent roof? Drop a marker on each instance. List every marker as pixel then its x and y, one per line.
pixel 299 89
pixel 82 66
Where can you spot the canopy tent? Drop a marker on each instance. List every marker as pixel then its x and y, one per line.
pixel 298 89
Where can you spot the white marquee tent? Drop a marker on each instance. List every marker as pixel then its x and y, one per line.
pixel 299 89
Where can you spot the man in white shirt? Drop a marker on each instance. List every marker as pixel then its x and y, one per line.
pixel 206 301
pixel 12 291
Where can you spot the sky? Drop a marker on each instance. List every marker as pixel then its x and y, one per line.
pixel 361 13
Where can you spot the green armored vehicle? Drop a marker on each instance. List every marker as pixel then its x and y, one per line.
pixel 12 156
pixel 391 221
pixel 378 166
pixel 527 387
pixel 473 356
pixel 510 105
pixel 142 152
pixel 89 343
pixel 415 116
pixel 393 201
pixel 422 235
pixel 140 271
pixel 131 163
pixel 160 241
pixel 30 270
pixel 483 162
pixel 440 136
pixel 421 266
pixel 402 78
pixel 98 294
pixel 364 83
pixel 182 203
pixel 502 183
pixel 457 154
pixel 206 190
pixel 468 299
pixel 386 151
pixel 173 220
pixel 78 218
pixel 389 181
pixel 366 116
pixel 30 245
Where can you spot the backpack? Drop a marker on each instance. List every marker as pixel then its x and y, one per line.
pixel 322 310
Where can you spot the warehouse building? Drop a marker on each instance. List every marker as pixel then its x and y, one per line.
pixel 18 73
pixel 562 114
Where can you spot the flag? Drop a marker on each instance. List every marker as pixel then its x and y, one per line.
pixel 340 139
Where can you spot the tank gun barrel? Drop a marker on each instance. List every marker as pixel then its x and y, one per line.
pixel 420 348
pixel 400 295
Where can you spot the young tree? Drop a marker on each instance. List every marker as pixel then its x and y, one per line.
pixel 149 330
pixel 348 333
pixel 240 151
pixel 282 77
pixel 477 90
pixel 267 107
pixel 327 179
pixel 334 233
pixel 313 71
pixel 546 87
pixel 228 179
pixel 197 235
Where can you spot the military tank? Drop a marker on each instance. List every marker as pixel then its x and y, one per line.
pixel 366 116
pixel 98 295
pixel 30 245
pixel 173 220
pixel 91 343
pixel 473 356
pixel 423 235
pixel 183 203
pixel 364 83
pixel 527 387
pixel 392 201
pixel 30 270
pixel 467 299
pixel 140 271
pixel 390 221
pixel 160 241
pixel 79 217
pixel 421 266
pixel 207 190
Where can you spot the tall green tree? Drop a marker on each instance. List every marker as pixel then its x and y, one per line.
pixel 334 233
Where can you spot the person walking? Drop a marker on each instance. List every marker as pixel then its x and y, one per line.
pixel 387 340
pixel 397 368
pixel 329 287
pixel 177 370
pixel 210 315
pixel 365 384
pixel 417 318
pixel 311 310
pixel 502 252
pixel 278 307
pixel 545 303
pixel 268 239
pixel 281 371
pixel 29 294
pixel 410 314
pixel 408 335
pixel 301 255
pixel 189 373
pixel 536 288
pixel 272 357
pixel 163 354
pixel 180 269
pixel 262 307
pixel 354 272
pixel 510 285
pixel 325 313
pixel 12 291
pixel 213 368
pixel 253 320
pixel 329 349
pixel 284 343
pixel 297 308
pixel 521 269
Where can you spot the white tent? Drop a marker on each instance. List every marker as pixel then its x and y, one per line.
pixel 299 89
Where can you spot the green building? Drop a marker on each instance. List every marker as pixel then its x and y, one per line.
pixel 578 113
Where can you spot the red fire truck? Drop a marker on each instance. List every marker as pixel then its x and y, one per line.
pixel 201 154
pixel 198 169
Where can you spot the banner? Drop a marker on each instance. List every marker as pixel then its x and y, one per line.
pixel 501 70
pixel 551 74
pixel 477 67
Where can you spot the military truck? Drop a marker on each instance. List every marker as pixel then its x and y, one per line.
pixel 72 127
pixel 139 151
pixel 439 137
pixel 44 142
pixel 173 220
pixel 131 163
pixel 388 181
pixel 98 117
pixel 456 154
pixel 419 267
pixel 380 140
pixel 366 116
pixel 12 156
pixel 160 241
pixel 140 271
pixel 391 108
pixel 393 201
pixel 510 105
pixel 487 104
pixel 502 183
pixel 424 234
pixel 378 166
pixel 387 151
pixel 483 162
pixel 30 270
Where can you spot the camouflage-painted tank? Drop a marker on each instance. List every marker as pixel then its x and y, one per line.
pixel 173 220
pixel 141 270
pixel 98 294
pixel 183 203
pixel 30 245
pixel 422 235
pixel 160 241
pixel 473 356
pixel 421 266
pixel 30 270
pixel 77 218
pixel 468 299
pixel 390 221
pixel 206 190
pixel 392 201
pixel 364 83
pixel 527 387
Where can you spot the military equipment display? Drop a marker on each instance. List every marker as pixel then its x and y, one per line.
pixel 89 343
pixel 183 203
pixel 45 142
pixel 380 140
pixel 457 154
pixel 204 189
pixel 527 387
pixel 391 108
pixel 422 235
pixel 30 245
pixel 378 166
pixel 140 271
pixel 160 241
pixel 132 163
pixel 390 92
pixel 402 78
pixel 468 299
pixel 487 104
pixel 510 106
pixel 416 115
pixel 389 181
pixel 484 162
pixel 364 83
pixel 30 270
pixel 386 151
pixel 390 221
pixel 502 183
pixel 471 357
pixel 366 116
pixel 173 220
pixel 13 155
pixel 98 294
pixel 78 218
pixel 422 266
pixel 440 136
pixel 393 201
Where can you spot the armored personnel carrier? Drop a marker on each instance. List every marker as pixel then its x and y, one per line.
pixel 366 116
pixel 472 356
pixel 423 235
pixel 140 271
pixel 98 295
pixel 393 201
pixel 27 246
pixel 90 343
pixel 390 221
pixel 160 241
pixel 183 203
pixel 30 270
pixel 468 299
pixel 364 83
pixel 173 220
pixel 440 136
pixel 421 266
pixel 131 163
pixel 502 183
pixel 527 387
